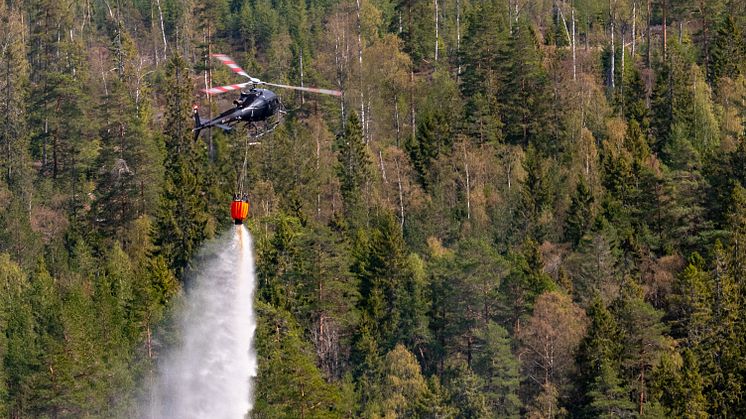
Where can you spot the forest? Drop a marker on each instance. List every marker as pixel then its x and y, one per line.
pixel 518 208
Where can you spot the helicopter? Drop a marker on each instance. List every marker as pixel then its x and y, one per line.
pixel 260 108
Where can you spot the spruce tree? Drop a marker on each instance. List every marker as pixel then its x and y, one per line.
pixel 353 171
pixel 182 218
pixel 499 369
pixel 728 51
pixel 14 138
pixel 579 216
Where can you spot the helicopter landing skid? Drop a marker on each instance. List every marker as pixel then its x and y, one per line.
pixel 259 129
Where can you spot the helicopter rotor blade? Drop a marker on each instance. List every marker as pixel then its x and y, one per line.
pixel 222 89
pixel 231 63
pixel 305 89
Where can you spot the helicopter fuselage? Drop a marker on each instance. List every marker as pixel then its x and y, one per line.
pixel 254 105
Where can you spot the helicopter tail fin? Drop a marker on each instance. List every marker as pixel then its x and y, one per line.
pixel 198 122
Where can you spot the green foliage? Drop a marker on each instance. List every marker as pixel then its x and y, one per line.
pixel 524 93
pixel 288 383
pixel 536 196
pixel 407 256
pixel 497 365
pixel 182 217
pixel 580 215
pixel 353 171
pixel 728 50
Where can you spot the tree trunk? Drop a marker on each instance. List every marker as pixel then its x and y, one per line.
pixel 401 195
pixel 634 28
pixel 574 60
pixel 665 26
pixel 383 169
pixel 613 56
pixel 435 2
pixel 705 40
pixel 411 103
pixel 163 28
pixel 398 124
pixel 648 57
pixel 458 39
pixel 468 186
pixel 621 79
pixel 360 62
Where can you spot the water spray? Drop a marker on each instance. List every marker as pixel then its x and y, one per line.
pixel 210 374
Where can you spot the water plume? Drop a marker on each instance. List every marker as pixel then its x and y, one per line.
pixel 209 374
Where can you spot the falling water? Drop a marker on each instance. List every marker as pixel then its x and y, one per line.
pixel 209 375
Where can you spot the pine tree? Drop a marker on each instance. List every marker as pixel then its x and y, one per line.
pixel 127 183
pixel 524 95
pixel 182 218
pixel 579 216
pixel 465 389
pixel 692 401
pixel 434 138
pixel 14 161
pixel 353 171
pixel 499 369
pixel 525 282
pixel 464 294
pixel 720 357
pixel 691 302
pixel 608 397
pixel 486 33
pixel 536 196
pixel 18 349
pixel 385 277
pixel 600 388
pixel 288 383
pixel 728 51
pixel 643 343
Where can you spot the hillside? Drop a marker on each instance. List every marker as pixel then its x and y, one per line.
pixel 517 208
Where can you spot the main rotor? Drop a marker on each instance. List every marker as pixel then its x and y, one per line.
pixel 255 82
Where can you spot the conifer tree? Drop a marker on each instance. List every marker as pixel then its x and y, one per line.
pixel 728 51
pixel 14 68
pixel 579 215
pixel 536 196
pixel 18 349
pixel 524 94
pixel 643 343
pixel 499 369
pixel 691 302
pixel 486 33
pixel 182 220
pixel 353 171
pixel 385 276
pixel 599 384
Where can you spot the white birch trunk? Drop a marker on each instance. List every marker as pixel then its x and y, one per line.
pixel 458 40
pixel 574 60
pixel 468 185
pixel 383 169
pixel 435 2
pixel 401 195
pixel 634 27
pixel 613 57
pixel 360 62
pixel 163 28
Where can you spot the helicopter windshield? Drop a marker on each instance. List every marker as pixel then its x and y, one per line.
pixel 248 97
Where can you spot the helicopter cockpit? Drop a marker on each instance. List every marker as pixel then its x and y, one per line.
pixel 246 98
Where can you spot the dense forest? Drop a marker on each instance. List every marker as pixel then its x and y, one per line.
pixel 529 208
